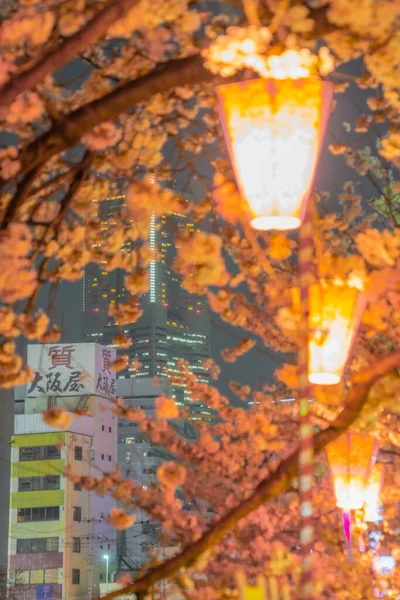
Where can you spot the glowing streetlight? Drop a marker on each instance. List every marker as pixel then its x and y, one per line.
pixel 351 459
pixel 106 558
pixel 335 310
pixel 274 130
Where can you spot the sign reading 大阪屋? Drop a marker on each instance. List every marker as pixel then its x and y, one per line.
pixel 71 369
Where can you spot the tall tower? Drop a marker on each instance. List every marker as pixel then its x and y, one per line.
pixel 175 324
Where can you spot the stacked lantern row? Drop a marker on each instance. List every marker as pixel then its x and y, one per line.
pixel 274 131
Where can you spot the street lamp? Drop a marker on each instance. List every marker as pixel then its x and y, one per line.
pixel 274 130
pixel 351 460
pixel 106 558
pixel 335 310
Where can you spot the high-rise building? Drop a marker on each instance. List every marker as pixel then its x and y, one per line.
pixel 175 324
pixel 59 532
pixel 139 459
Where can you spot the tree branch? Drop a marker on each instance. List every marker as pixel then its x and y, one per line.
pixel 54 60
pixel 55 225
pixel 270 487
pixel 68 132
pixel 21 193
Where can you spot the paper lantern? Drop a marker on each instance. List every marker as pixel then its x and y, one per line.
pixel 351 458
pixel 335 312
pixel 375 482
pixel 274 130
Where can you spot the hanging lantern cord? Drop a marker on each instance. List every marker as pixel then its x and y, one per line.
pixel 306 455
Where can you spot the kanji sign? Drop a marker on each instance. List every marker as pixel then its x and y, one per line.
pixel 71 370
pixel 61 356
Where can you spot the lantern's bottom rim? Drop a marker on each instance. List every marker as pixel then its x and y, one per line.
pixel 324 378
pixel 282 223
pixel 347 508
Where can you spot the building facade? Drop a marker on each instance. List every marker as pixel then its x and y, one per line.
pixel 139 459
pixel 59 533
pixel 175 324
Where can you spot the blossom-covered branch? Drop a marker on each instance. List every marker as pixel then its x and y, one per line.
pixel 273 484
pixel 69 131
pixel 66 51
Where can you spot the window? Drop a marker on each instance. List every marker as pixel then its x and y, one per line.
pixel 92 455
pixel 77 487
pixel 37 576
pixel 42 513
pixel 102 427
pixel 109 430
pixel 76 544
pixel 34 484
pixel 36 545
pixel 109 457
pixel 77 514
pixel 51 576
pixel 78 452
pixel 76 576
pixel 52 544
pixel 39 453
pixel 102 457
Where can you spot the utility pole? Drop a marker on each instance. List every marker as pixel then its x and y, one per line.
pixel 92 521
pixel 90 560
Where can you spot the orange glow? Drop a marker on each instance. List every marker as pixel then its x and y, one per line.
pixel 371 508
pixel 274 130
pixel 351 458
pixel 335 312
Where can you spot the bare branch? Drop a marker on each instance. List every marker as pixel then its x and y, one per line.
pixel 270 487
pixel 22 192
pixel 55 59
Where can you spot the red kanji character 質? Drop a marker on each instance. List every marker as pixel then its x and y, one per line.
pixel 61 356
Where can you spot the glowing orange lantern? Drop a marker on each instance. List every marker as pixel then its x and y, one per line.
pixel 335 312
pixel 351 458
pixel 372 493
pixel 274 130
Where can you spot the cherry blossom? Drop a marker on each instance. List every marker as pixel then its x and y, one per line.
pixel 166 408
pixel 171 474
pixel 120 519
pixel 57 417
pixel 108 135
